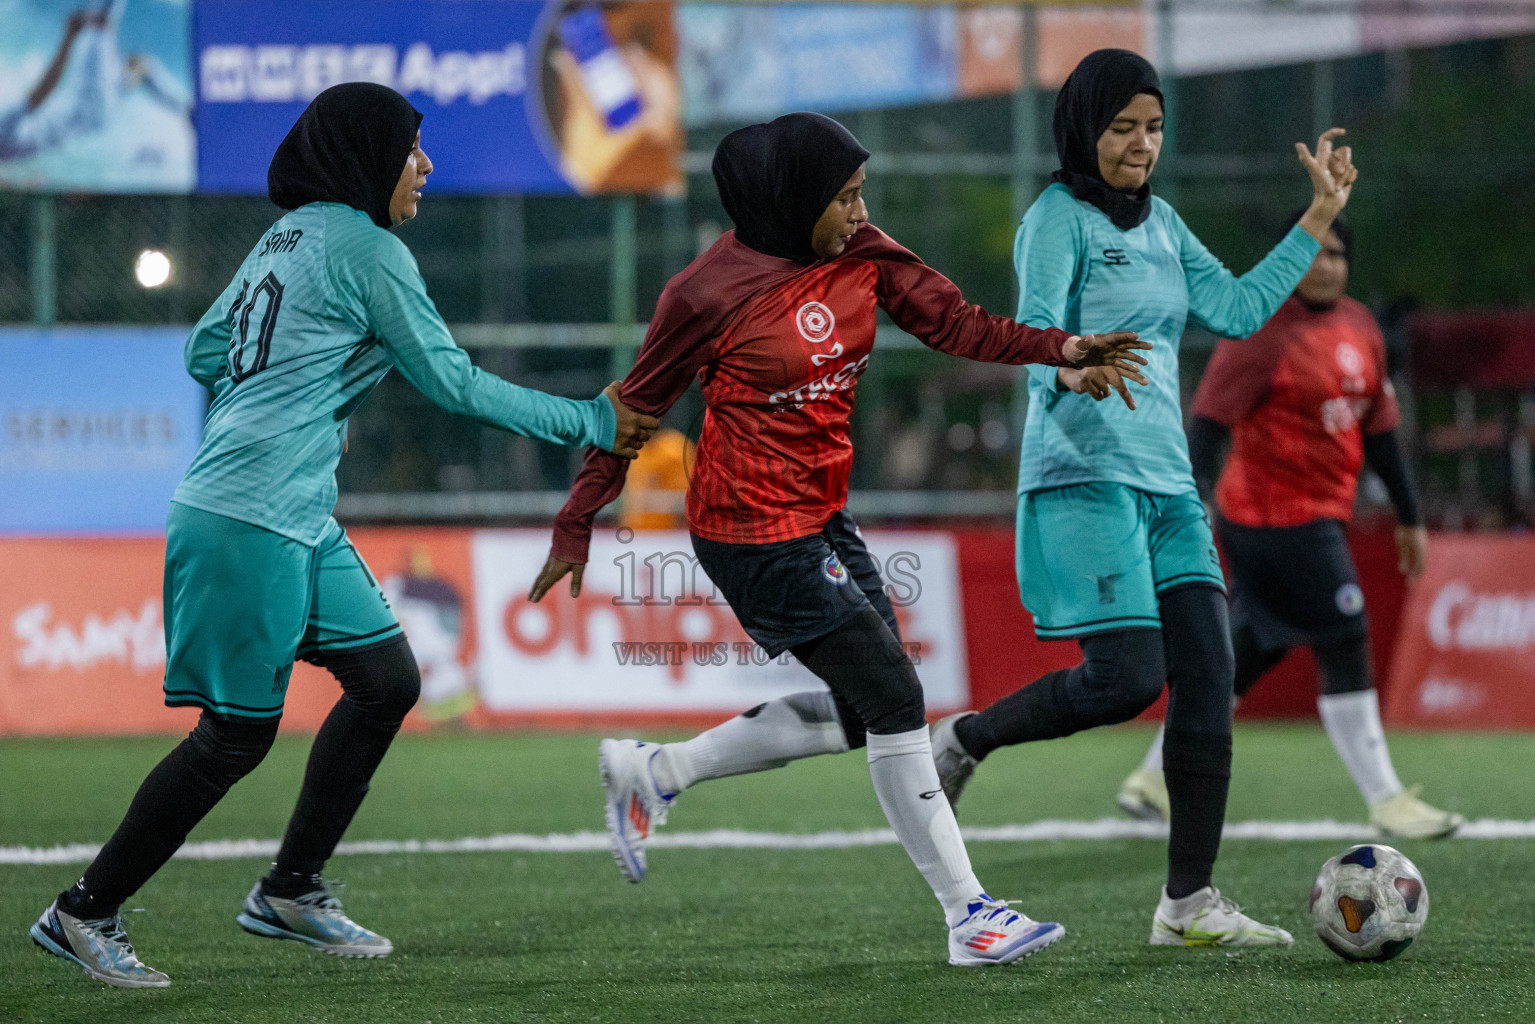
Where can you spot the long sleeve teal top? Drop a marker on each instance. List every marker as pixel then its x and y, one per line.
pixel 1078 271
pixel 322 308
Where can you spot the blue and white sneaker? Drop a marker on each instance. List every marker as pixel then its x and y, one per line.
pixel 994 934
pixel 635 807
pixel 100 946
pixel 316 918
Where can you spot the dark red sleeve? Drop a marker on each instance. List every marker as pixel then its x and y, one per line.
pixel 1238 376
pixel 928 306
pixel 1385 414
pixel 677 345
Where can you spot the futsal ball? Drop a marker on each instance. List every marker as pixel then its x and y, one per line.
pixel 1369 903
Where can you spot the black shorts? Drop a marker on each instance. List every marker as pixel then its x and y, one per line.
pixel 1293 586
pixel 793 591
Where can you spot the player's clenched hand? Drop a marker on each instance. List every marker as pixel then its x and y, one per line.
pixel 1097 382
pixel 1331 170
pixel 1116 350
pixel 1411 551
pixel 553 571
pixel 634 428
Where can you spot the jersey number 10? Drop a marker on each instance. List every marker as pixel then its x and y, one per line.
pixel 242 361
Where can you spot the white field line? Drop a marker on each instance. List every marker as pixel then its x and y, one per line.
pixel 740 839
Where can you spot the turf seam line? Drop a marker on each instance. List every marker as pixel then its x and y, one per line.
pixel 741 839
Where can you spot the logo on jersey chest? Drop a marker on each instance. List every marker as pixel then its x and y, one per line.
pixel 815 322
pixel 1351 361
pixel 1115 258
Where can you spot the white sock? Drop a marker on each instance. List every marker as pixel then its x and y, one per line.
pixel 1153 762
pixel 901 765
pixel 768 736
pixel 1352 721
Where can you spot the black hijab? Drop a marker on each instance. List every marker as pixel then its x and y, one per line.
pixel 776 180
pixel 348 146
pixel 1099 88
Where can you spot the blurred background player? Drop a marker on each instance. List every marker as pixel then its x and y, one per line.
pixel 777 319
pixel 257 571
pixel 657 483
pixel 1306 402
pixel 1114 548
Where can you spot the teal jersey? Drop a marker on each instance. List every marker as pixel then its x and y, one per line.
pixel 325 304
pixel 1077 271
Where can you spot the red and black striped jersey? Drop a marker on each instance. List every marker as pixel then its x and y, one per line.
pixel 779 349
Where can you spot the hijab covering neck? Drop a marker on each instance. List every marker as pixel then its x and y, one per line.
pixel 776 179
pixel 1097 90
pixel 348 146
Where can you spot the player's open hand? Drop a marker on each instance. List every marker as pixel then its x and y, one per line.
pixel 1097 382
pixel 1331 170
pixel 634 428
pixel 1114 351
pixel 553 571
pixel 1411 551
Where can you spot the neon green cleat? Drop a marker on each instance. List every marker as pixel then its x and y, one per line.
pixel 1143 795
pixel 1406 817
pixel 1207 919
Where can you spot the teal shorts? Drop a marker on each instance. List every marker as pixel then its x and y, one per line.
pixel 243 603
pixel 1094 557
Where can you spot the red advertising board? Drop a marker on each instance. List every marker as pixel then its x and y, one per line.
pixel 1463 654
pixel 82 647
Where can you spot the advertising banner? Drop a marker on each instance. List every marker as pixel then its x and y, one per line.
pixel 97 426
pixel 649 633
pixel 1467 638
pixel 517 95
pixel 96 97
pixel 82 646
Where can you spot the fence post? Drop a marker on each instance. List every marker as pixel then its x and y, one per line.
pixel 45 305
pixel 624 285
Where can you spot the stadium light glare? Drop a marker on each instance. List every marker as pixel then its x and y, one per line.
pixel 152 269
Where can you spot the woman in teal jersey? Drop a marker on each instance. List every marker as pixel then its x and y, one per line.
pixel 257 572
pixel 1114 548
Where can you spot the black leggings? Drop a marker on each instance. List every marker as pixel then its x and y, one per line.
pixel 1344 664
pixel 1121 675
pixel 872 680
pixel 381 686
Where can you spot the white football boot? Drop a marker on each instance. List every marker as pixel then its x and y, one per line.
pixel 1406 817
pixel 635 807
pixel 994 934
pixel 1206 918
pixel 100 946
pixel 954 763
pixel 1143 795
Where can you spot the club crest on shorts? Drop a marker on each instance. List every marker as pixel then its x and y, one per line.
pixel 1349 599
pixel 815 322
pixel 834 570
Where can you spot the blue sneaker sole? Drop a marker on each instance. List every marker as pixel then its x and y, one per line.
pixel 631 867
pixel 45 942
pixel 267 930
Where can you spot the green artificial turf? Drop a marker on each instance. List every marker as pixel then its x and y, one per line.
pixel 765 935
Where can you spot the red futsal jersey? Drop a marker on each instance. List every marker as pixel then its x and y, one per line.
pixel 778 348
pixel 1299 396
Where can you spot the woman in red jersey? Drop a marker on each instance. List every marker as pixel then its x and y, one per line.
pixel 777 320
pixel 1306 403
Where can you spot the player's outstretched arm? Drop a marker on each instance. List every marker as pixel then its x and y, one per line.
pixel 402 316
